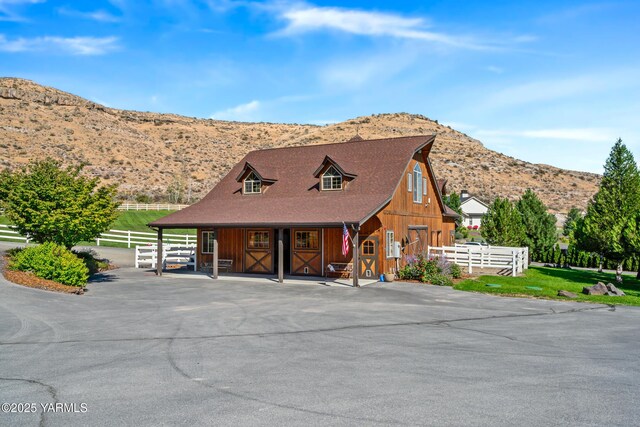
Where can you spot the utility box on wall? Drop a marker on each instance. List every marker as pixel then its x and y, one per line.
pixel 397 250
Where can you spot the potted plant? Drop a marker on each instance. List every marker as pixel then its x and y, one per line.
pixel 389 277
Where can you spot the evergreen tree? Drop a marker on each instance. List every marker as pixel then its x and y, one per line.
pixel 570 223
pixel 608 226
pixel 502 224
pixel 539 225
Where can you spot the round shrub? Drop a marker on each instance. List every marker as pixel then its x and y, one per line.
pixel 53 262
pixel 440 280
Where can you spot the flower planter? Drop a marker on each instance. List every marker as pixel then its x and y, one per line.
pixel 389 277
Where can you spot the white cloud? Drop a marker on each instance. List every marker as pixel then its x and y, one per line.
pixel 305 18
pixel 242 112
pixel 9 9
pixel 571 134
pixel 70 45
pixel 553 89
pixel 96 15
pixel 494 69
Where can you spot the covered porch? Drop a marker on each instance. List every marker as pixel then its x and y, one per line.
pixel 285 252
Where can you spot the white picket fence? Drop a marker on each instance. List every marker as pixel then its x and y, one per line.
pixel 8 233
pixel 147 256
pixel 141 238
pixel 502 257
pixel 150 207
pixel 127 237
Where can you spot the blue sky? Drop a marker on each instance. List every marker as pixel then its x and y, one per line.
pixel 551 82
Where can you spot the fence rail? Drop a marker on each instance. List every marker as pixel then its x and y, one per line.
pixel 147 256
pixel 514 259
pixel 150 207
pixel 126 237
pixel 7 232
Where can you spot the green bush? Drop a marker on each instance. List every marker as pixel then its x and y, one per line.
pixel 437 271
pixel 94 264
pixel 53 262
pixel 456 271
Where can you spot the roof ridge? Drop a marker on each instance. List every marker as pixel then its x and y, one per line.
pixel 342 143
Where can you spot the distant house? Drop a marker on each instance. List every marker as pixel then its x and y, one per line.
pixel 284 210
pixel 472 209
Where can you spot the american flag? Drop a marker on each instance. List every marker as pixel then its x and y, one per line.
pixel 345 240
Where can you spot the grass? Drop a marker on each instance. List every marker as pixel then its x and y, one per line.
pixel 551 280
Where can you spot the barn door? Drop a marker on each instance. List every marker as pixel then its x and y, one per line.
pixel 369 258
pixel 258 255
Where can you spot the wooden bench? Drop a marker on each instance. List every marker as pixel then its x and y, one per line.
pixel 223 264
pixel 339 269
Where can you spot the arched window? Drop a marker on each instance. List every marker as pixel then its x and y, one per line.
pixel 252 184
pixel 331 179
pixel 417 184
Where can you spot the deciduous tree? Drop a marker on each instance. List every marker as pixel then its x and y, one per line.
pixel 55 204
pixel 539 225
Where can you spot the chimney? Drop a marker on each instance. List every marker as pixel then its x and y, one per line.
pixel 464 194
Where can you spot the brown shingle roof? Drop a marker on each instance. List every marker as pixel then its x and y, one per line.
pixel 295 199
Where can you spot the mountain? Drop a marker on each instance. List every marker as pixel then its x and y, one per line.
pixel 147 153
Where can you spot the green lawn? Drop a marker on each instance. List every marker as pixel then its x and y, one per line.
pixel 551 280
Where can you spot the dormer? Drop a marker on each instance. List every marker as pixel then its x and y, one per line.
pixel 254 180
pixel 332 176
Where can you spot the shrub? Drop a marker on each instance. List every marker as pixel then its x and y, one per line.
pixel 94 264
pixel 53 262
pixel 437 271
pixel 456 271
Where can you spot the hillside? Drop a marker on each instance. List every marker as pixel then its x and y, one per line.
pixel 150 152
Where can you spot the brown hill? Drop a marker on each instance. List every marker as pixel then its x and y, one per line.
pixel 149 153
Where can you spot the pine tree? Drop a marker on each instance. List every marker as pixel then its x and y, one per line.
pixel 608 227
pixel 502 224
pixel 570 223
pixel 539 225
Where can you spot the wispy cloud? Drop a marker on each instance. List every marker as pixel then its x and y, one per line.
pixel 569 134
pixel 68 45
pixel 242 112
pixel 563 87
pixel 10 10
pixel 96 15
pixel 303 18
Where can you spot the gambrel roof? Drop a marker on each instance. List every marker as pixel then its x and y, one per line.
pixel 295 198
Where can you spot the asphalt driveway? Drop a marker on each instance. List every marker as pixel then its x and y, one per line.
pixel 141 350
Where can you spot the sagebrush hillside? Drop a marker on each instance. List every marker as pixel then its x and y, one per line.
pixel 150 152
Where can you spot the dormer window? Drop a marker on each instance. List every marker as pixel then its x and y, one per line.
pixel 332 179
pixel 252 184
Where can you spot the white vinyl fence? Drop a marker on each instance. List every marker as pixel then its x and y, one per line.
pixel 506 258
pixel 150 207
pixel 141 238
pixel 147 256
pixel 125 237
pixel 8 233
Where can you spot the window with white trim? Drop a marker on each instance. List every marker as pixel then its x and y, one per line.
pixel 252 184
pixel 417 188
pixel 409 182
pixel 390 241
pixel 332 179
pixel 207 242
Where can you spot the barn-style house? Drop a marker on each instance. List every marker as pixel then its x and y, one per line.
pixel 285 210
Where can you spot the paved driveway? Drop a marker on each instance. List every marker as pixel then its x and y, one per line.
pixel 141 350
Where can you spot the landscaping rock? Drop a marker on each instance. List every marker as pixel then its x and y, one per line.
pixel 597 289
pixel 567 294
pixel 613 291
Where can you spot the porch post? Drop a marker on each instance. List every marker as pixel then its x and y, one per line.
pixel 280 256
pixel 215 254
pixel 356 258
pixel 159 253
